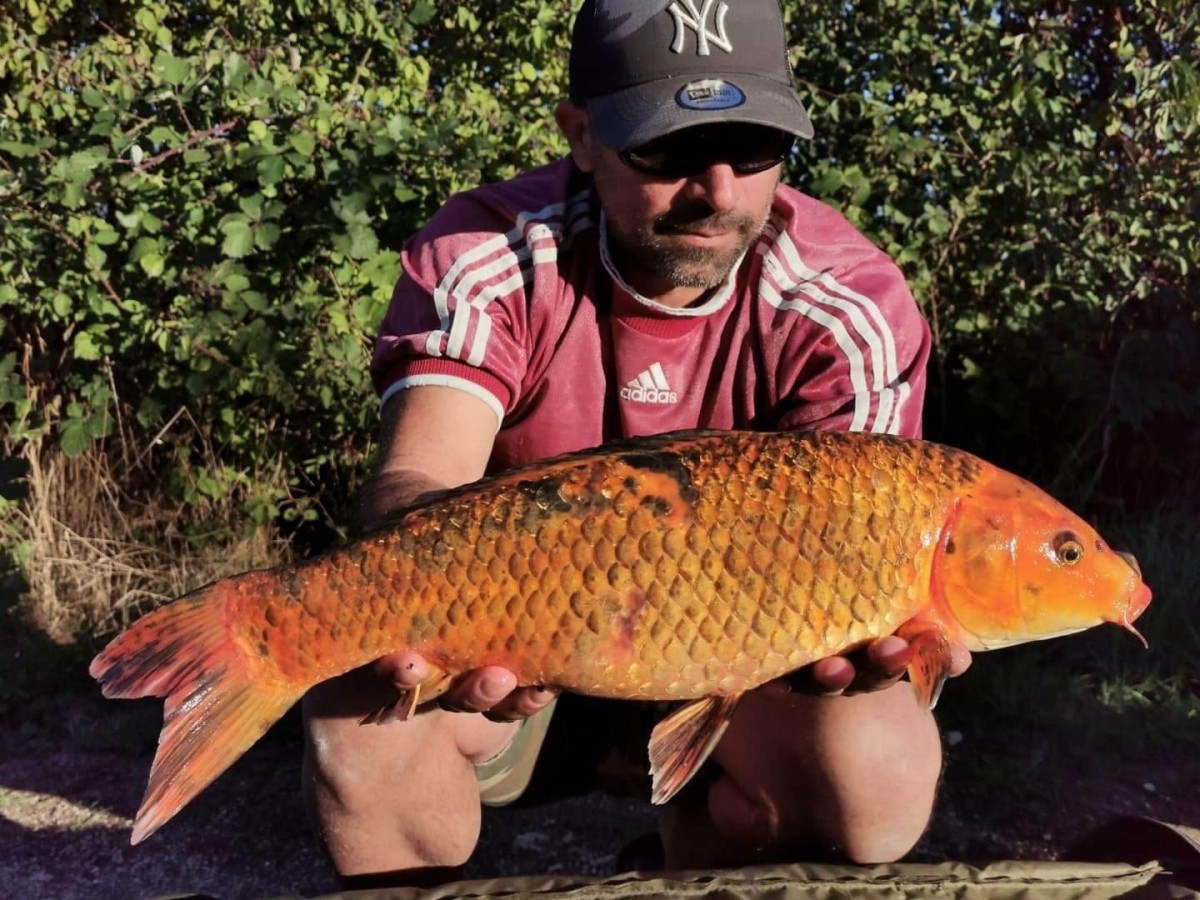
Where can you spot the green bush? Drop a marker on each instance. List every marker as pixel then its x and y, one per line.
pixel 1035 167
pixel 202 210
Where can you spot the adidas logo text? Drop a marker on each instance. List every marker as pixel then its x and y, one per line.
pixel 650 387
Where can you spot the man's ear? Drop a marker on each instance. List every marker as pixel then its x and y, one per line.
pixel 573 122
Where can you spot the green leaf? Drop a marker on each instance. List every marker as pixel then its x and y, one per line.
pixel 84 347
pixel 80 165
pixel 236 69
pixel 74 437
pixel 239 239
pixel 827 183
pixel 152 264
pixel 266 235
pixel 422 11
pixel 252 206
pixel 367 312
pixel 171 69
pixel 271 170
pixel 99 424
pixel 303 142
pixel 144 246
pixel 163 135
pixel 17 149
pixel 129 220
pixel 235 282
pixel 73 195
pixel 363 242
pixel 96 256
pixel 208 486
pixel 146 18
pixel 383 269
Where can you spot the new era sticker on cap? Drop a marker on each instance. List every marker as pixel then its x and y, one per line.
pixel 710 93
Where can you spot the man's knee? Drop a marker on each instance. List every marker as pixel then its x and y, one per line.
pixel 893 799
pixel 850 777
pixel 887 839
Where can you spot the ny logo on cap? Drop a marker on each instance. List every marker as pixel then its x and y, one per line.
pixel 698 22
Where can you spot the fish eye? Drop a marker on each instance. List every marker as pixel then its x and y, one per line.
pixel 1067 548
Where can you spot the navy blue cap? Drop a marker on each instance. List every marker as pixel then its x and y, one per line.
pixel 646 68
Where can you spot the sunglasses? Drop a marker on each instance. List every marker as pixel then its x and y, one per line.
pixel 747 149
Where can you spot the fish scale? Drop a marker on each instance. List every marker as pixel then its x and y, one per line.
pixel 689 567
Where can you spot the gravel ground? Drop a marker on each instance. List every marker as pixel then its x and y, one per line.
pixel 66 805
pixel 69 785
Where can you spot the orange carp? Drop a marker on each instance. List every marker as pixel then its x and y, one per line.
pixel 692 566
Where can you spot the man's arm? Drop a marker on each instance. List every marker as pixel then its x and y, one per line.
pixel 431 439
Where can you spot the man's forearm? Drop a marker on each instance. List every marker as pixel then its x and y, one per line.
pixel 386 494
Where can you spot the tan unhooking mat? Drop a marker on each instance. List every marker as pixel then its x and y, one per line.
pixel 1137 858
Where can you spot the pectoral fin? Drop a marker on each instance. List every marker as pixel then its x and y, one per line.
pixel 930 666
pixel 682 741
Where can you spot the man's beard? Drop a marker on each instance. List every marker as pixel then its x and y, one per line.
pixel 654 251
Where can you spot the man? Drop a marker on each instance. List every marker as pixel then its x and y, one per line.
pixel 660 278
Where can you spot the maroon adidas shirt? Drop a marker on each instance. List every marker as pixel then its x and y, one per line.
pixel 508 294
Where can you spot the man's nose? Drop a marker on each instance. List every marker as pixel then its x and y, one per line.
pixel 716 185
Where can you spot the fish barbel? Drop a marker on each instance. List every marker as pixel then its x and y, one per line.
pixel 692 566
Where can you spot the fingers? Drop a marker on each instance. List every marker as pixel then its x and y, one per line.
pixel 521 704
pixel 960 660
pixel 878 665
pixel 479 690
pixel 883 664
pixel 826 677
pixel 491 690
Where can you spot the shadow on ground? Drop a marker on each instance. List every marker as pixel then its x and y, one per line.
pixel 72 775
pixel 67 800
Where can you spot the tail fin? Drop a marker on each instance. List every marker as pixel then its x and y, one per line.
pixel 214 708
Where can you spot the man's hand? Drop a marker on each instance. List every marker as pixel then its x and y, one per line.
pixel 878 665
pixel 491 690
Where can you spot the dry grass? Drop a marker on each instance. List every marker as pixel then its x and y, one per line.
pixel 100 542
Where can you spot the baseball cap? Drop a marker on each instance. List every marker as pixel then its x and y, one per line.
pixel 646 68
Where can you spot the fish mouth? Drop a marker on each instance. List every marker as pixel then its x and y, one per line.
pixel 1138 602
pixel 1139 599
